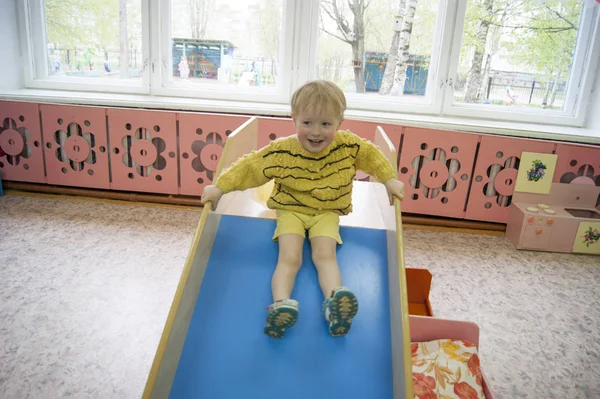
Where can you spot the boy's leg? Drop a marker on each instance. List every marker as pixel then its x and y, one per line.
pixel 283 313
pixel 288 265
pixel 325 259
pixel 340 304
pixel 324 235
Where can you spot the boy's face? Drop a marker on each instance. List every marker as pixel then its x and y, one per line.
pixel 315 130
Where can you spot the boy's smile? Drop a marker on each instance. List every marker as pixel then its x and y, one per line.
pixel 315 130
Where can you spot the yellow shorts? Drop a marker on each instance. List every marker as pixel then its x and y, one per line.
pixel 324 224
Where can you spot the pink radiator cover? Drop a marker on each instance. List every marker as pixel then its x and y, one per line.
pixel 143 152
pixel 428 187
pixel 21 155
pixel 76 146
pixel 496 152
pixel 201 141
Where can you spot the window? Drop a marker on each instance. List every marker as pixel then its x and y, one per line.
pixel 522 56
pixel 222 48
pixel 517 53
pixel 87 44
pixel 382 53
pixel 528 60
pixel 369 48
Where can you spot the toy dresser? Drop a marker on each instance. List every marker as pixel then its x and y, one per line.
pixel 564 220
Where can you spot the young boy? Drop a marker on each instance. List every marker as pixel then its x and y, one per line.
pixel 313 172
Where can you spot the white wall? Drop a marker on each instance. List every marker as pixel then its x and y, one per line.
pixel 11 65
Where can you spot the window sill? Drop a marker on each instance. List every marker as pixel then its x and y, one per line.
pixel 524 130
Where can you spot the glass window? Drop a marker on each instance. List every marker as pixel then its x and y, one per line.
pixel 517 53
pixel 225 42
pixel 94 39
pixel 378 46
pixel 523 61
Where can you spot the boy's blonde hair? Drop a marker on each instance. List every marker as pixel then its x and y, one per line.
pixel 319 95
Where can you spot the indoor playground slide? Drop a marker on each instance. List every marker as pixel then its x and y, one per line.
pixel 213 345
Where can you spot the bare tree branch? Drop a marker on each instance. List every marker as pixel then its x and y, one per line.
pixel 561 17
pixel 335 15
pixel 549 29
pixel 328 12
pixel 337 37
pixel 336 11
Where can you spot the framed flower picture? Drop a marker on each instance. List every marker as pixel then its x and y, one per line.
pixel 535 173
pixel 587 240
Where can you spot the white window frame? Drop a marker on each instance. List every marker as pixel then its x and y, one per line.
pixel 35 56
pixel 430 103
pixel 298 63
pixel 578 87
pixel 161 67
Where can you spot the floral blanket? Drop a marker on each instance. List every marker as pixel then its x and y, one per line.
pixel 446 369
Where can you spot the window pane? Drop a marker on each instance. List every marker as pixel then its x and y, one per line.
pixel 94 38
pixel 393 51
pixel 226 42
pixel 517 53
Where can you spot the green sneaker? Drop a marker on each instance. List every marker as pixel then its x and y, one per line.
pixel 340 308
pixel 282 314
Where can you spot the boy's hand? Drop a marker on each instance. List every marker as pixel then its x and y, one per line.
pixel 213 194
pixel 395 188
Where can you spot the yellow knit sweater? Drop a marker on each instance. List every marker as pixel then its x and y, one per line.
pixel 308 182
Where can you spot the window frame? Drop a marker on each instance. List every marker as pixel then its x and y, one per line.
pixel 162 83
pixel 35 56
pixel 430 103
pixel 578 86
pixel 298 63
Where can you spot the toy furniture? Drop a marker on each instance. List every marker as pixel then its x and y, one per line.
pixel 418 284
pixel 558 221
pixel 213 345
pixel 424 329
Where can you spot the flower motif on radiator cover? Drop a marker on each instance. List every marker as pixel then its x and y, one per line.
pixel 207 153
pixel 143 152
pixel 13 142
pixel 74 146
pixel 435 173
